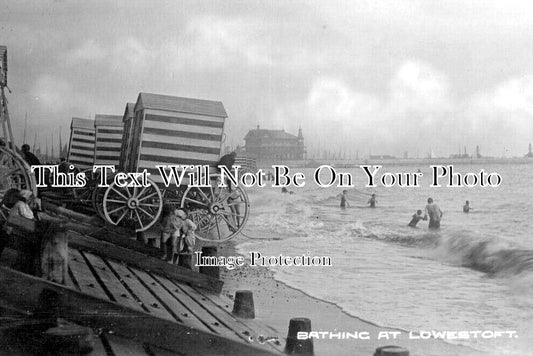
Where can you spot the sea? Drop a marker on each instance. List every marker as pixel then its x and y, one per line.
pixel 473 274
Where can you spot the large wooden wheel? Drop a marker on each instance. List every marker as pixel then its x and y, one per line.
pixel 172 197
pixel 15 172
pixel 98 201
pixel 219 213
pixel 85 195
pixel 137 207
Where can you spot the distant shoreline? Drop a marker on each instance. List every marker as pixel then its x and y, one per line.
pixel 354 163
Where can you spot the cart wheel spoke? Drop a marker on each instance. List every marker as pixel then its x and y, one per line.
pixel 204 195
pixel 139 219
pixel 148 204
pixel 209 226
pixel 141 193
pixel 212 192
pixel 218 231
pixel 195 201
pixel 148 196
pixel 127 191
pixel 119 193
pixel 233 210
pixel 236 203
pixel 230 225
pixel 217 198
pixel 145 212
pixel 117 209
pixel 227 213
pixel 13 171
pixel 116 201
pixel 121 217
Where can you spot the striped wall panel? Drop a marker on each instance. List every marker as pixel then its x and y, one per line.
pixel 81 144
pixel 125 154
pixel 108 133
pixel 246 163
pixel 178 140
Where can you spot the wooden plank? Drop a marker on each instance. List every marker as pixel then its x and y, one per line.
pixel 151 304
pixel 117 236
pixel 220 314
pixel 89 224
pixel 124 347
pixel 12 319
pixel 135 259
pixel 99 348
pixel 84 277
pixel 258 328
pixel 93 220
pixel 181 313
pixel 120 294
pixel 8 259
pixel 122 240
pixel 156 351
pixel 69 282
pixel 197 308
pixel 98 313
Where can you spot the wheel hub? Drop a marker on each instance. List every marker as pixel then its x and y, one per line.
pixel 214 208
pixel 133 203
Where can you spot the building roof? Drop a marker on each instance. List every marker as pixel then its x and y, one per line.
pixel 108 120
pixel 82 123
pixel 3 57
pixel 270 134
pixel 3 62
pixel 177 104
pixel 129 111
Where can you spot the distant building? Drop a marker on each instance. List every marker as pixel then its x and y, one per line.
pixel 246 160
pixel 529 153
pixel 381 157
pixel 462 155
pixel 274 144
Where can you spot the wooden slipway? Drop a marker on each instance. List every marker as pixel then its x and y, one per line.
pixel 138 304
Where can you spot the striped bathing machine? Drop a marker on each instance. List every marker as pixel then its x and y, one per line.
pixel 168 130
pixel 173 130
pixel 125 152
pixel 81 143
pixel 108 133
pixel 247 162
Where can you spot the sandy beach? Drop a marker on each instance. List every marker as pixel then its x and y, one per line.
pixel 276 303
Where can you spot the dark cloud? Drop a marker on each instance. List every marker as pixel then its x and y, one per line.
pixel 385 76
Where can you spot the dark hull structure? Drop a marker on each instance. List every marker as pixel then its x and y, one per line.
pixel 134 303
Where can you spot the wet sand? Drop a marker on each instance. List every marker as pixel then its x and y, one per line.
pixel 276 303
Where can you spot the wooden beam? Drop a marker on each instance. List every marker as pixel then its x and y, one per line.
pixel 132 258
pixel 117 239
pixel 71 214
pixel 138 260
pixel 26 290
pixel 96 228
pixel 91 222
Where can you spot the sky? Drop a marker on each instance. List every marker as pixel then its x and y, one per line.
pixel 359 77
